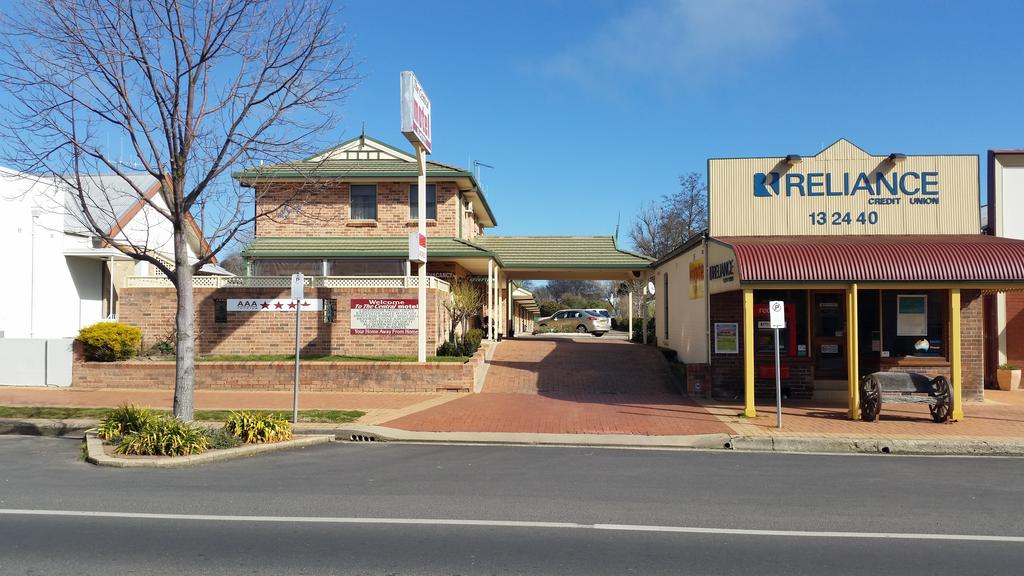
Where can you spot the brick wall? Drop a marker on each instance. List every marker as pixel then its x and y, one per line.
pixel 322 209
pixel 152 311
pixel 972 344
pixel 727 369
pixel 271 376
pixel 1015 328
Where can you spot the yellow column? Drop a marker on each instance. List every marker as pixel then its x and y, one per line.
pixel 748 354
pixel 852 353
pixel 955 367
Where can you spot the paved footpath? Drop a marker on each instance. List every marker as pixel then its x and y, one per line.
pixel 1001 416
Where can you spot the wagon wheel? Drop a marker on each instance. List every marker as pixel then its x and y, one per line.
pixel 943 400
pixel 870 399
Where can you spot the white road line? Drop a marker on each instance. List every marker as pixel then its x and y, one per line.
pixel 513 524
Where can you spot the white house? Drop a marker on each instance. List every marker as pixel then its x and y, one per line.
pixel 65 278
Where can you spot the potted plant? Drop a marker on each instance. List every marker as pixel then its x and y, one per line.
pixel 1008 377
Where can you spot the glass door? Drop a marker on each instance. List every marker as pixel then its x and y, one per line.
pixel 829 335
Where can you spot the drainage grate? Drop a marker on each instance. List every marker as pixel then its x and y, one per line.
pixel 362 438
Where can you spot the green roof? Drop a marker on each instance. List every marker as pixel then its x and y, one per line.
pixel 535 252
pixel 367 247
pixel 351 169
pixel 511 252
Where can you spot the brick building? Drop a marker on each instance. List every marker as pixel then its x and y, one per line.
pixel 343 219
pixel 880 261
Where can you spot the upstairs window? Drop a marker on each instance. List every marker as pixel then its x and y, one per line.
pixel 414 205
pixel 363 199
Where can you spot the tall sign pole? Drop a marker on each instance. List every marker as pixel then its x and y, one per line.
pixel 416 128
pixel 777 321
pixel 298 293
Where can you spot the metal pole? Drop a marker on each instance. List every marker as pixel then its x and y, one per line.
pixel 421 217
pixel 295 387
pixel 490 300
pixel 630 314
pixel 778 384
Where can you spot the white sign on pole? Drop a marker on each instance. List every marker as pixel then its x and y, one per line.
pixel 418 247
pixel 415 111
pixel 777 313
pixel 298 286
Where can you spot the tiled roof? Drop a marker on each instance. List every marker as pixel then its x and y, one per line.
pixel 536 252
pixel 350 169
pixel 877 258
pixel 380 247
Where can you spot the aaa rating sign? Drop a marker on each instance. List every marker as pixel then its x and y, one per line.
pixel 273 305
pixel 384 316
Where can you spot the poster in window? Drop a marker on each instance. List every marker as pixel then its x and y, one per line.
pixel 911 315
pixel 727 338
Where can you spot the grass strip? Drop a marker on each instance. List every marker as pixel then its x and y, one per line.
pixel 73 412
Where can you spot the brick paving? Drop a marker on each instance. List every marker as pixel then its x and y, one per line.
pixel 579 385
pixel 1001 415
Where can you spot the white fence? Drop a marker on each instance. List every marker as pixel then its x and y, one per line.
pixel 35 361
pixel 285 282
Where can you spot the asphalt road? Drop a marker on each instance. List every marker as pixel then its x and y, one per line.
pixel 430 509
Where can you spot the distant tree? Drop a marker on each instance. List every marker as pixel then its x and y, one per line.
pixel 194 89
pixel 234 263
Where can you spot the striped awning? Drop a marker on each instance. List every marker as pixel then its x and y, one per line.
pixel 882 258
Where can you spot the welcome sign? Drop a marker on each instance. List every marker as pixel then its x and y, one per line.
pixel 384 316
pixel 844 190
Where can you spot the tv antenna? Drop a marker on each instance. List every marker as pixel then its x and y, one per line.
pixel 477 165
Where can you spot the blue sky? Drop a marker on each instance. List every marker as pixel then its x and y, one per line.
pixel 589 108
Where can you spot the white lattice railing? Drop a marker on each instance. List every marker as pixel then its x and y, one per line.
pixel 285 282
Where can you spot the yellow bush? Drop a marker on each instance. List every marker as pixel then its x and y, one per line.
pixel 110 341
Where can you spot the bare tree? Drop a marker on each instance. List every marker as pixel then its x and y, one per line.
pixel 661 226
pixel 194 90
pixel 464 300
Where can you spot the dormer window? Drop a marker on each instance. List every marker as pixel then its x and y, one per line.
pixel 363 201
pixel 431 202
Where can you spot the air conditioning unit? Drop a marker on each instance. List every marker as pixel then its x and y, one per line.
pixel 469 208
pixel 97 242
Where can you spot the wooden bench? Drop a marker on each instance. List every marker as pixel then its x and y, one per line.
pixel 905 387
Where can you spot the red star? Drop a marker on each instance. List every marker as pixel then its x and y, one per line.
pixel 278 305
pixel 291 305
pixel 265 305
pixel 305 303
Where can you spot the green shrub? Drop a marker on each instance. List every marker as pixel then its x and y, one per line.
pixel 1009 367
pixel 220 439
pixel 124 420
pixel 474 336
pixel 449 349
pixel 256 428
pixel 110 341
pixel 165 437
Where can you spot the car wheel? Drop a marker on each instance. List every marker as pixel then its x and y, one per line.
pixel 581 329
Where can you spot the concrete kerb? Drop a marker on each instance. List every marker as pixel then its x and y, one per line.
pixel 98 456
pixel 384 434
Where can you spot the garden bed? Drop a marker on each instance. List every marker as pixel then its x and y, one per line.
pixel 101 453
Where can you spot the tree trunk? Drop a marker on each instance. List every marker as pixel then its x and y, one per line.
pixel 185 359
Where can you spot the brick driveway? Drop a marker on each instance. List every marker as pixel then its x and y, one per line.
pixel 574 385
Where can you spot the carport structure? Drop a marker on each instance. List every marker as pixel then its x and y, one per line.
pixel 517 258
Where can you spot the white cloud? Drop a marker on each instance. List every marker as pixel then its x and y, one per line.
pixel 689 38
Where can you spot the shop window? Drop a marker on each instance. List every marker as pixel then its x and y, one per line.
pixel 287 267
pixel 365 267
pixel 330 310
pixel 220 311
pixel 414 204
pixel 363 201
pixel 914 324
pixel 793 338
